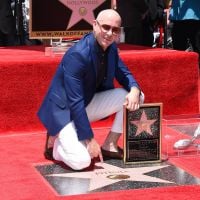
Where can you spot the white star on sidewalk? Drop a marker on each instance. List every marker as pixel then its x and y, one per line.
pixel 81 10
pixel 107 174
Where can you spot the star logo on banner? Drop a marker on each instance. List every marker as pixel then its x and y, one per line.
pixel 81 10
pixel 106 174
pixel 143 124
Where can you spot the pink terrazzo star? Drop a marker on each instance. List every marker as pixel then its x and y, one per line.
pixel 81 10
pixel 143 124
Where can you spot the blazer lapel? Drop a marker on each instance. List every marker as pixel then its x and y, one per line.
pixel 111 64
pixel 94 56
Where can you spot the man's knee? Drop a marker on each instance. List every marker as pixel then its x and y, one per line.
pixel 79 163
pixel 77 158
pixel 122 91
pixel 121 95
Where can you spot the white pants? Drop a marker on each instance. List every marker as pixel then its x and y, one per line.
pixel 69 149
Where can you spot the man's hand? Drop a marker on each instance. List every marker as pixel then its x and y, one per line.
pixel 132 100
pixel 94 149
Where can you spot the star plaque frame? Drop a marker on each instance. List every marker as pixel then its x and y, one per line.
pixel 142 134
pixel 70 19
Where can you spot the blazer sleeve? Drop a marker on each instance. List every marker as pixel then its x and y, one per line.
pixel 125 77
pixel 122 74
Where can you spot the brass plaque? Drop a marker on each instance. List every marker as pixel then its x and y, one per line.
pixel 142 134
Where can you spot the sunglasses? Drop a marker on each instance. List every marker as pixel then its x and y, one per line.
pixel 105 28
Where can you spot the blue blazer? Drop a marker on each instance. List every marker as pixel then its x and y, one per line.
pixel 74 85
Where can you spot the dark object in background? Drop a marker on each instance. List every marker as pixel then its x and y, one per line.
pixel 7 24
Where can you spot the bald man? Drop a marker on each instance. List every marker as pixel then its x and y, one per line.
pixel 82 91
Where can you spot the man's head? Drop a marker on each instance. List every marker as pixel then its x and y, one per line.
pixel 106 27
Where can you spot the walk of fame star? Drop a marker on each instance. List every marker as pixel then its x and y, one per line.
pixel 81 10
pixel 113 175
pixel 143 124
pixel 107 174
